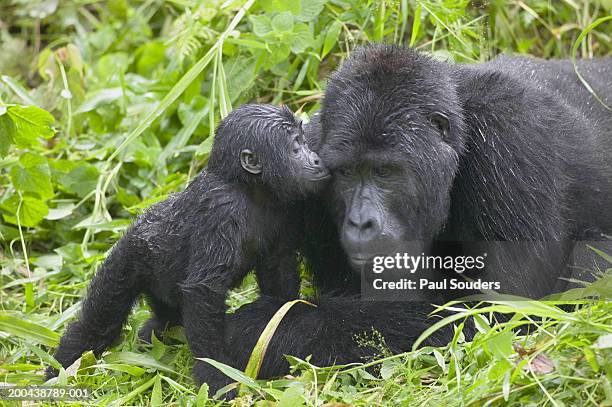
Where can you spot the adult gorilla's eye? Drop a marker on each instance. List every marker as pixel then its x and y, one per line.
pixel 383 171
pixel 344 171
pixel 442 124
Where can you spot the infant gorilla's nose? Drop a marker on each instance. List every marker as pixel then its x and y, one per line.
pixel 319 170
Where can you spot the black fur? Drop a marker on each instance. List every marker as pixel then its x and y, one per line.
pixel 339 330
pixel 513 150
pixel 186 252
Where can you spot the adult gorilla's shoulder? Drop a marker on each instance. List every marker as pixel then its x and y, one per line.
pixel 539 162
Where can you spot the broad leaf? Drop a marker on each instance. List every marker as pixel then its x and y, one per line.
pixel 7 134
pixel 33 175
pixel 31 212
pixel 30 123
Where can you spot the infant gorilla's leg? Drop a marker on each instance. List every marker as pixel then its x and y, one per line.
pixel 164 317
pixel 110 297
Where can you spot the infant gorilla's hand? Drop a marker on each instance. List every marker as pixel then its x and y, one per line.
pixel 206 373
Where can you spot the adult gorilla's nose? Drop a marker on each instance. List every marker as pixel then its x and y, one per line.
pixel 362 226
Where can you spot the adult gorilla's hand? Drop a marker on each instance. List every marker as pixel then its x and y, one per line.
pixel 327 332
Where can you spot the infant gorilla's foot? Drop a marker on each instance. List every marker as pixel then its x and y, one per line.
pixel 154 326
pixel 206 373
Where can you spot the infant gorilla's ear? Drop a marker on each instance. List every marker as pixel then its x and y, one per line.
pixel 250 161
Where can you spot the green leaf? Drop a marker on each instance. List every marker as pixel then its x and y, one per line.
pixel 18 89
pixel 291 398
pixel 32 210
pixel 119 367
pixel 498 368
pixel 33 175
pixel 577 43
pixel 500 345
pixel 388 370
pixel 99 97
pixel 137 359
pixel 331 37
pixel 262 25
pixel 280 52
pixel 416 25
pixel 283 22
pixel 591 359
pixel 272 6
pixel 137 391
pixel 205 147
pixel 28 330
pixel 7 134
pixel 310 10
pixel 156 394
pixel 152 56
pixel 607 257
pixel 126 198
pixel 81 180
pixel 202 396
pixel 302 39
pixel 62 211
pixel 30 123
pixel 233 373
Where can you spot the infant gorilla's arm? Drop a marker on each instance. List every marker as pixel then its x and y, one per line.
pixel 277 275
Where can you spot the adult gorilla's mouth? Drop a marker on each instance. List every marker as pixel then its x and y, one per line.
pixel 359 261
pixel 362 256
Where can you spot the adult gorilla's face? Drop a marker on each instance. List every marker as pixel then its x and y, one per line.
pixel 392 136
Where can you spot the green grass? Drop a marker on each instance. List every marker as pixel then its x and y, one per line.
pixel 135 89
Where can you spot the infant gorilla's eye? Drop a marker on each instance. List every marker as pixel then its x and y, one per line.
pixel 440 121
pixel 296 145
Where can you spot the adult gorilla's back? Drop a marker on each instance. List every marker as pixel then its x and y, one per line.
pixel 514 150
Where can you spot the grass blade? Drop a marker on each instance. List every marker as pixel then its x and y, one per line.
pixel 233 373
pixel 577 43
pixel 28 330
pixel 416 24
pixel 259 351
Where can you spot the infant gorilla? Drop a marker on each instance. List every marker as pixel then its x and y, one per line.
pixel 243 212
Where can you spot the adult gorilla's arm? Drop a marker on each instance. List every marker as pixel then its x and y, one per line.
pixel 327 331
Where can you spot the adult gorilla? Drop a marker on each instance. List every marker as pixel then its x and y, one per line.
pixel 514 150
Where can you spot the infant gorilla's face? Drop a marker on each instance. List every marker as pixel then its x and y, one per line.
pixel 308 169
pixel 275 152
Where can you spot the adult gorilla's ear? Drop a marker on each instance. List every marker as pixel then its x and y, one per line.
pixel 442 123
pixel 250 162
